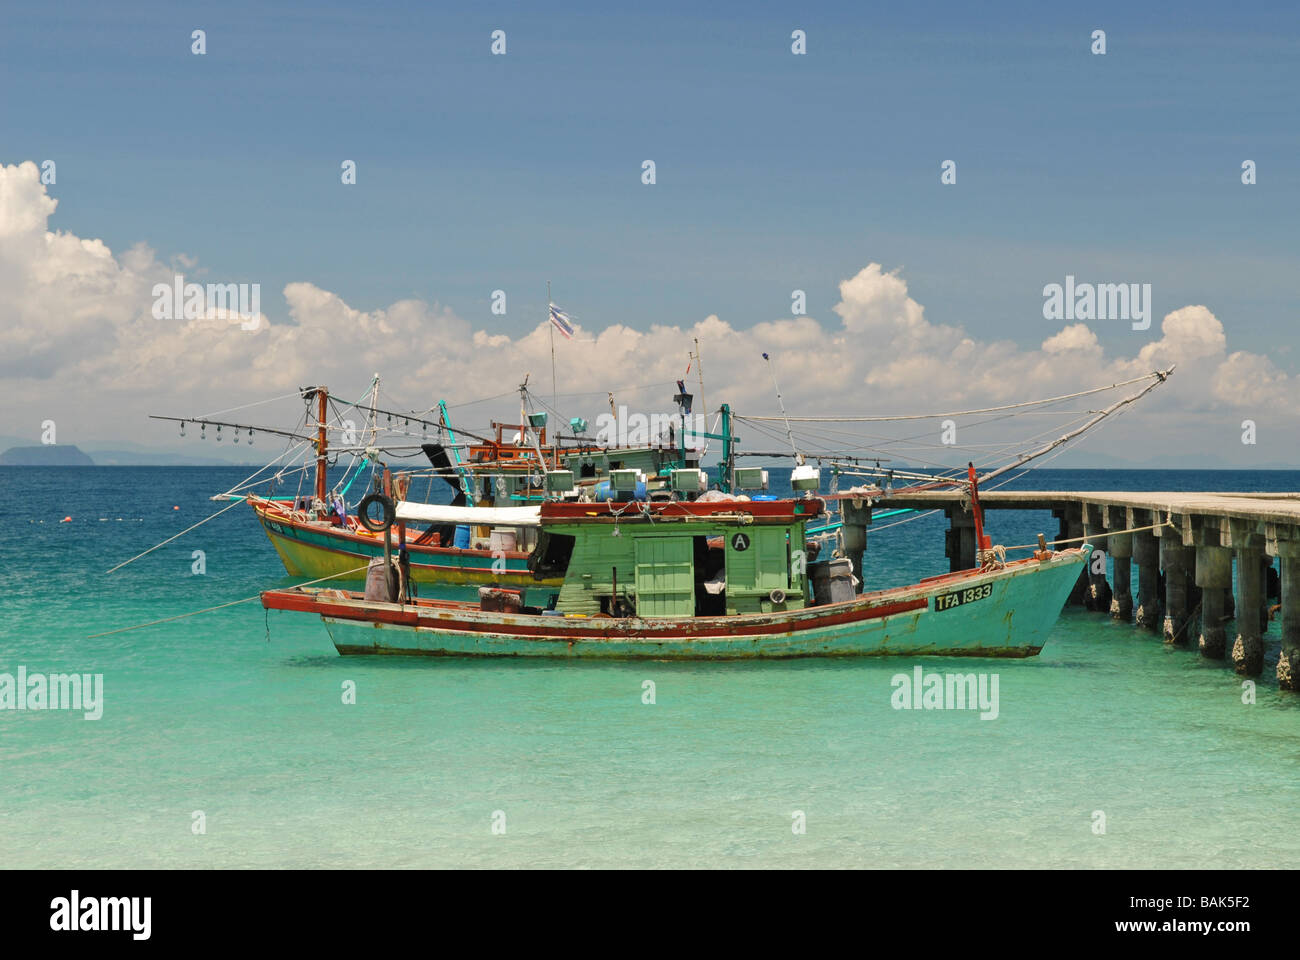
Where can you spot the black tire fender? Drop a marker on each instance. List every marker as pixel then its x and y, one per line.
pixel 389 512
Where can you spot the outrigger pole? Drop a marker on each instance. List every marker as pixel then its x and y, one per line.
pixel 1160 377
pixel 465 485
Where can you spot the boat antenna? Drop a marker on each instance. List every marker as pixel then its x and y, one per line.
pixel 551 325
pixel 699 371
pixel 771 369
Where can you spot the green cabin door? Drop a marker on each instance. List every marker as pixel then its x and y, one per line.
pixel 665 577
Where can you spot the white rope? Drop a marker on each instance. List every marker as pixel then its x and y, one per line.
pixel 220 606
pixel 1167 522
pixel 959 413
pixel 250 479
pixel 170 539
pixel 245 406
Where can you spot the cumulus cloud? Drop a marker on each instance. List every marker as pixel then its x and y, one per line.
pixel 78 327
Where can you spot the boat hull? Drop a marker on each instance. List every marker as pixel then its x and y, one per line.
pixel 1007 613
pixel 319 551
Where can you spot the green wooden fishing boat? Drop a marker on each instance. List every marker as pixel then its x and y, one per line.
pixel 721 578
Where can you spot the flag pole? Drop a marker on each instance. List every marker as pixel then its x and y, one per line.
pixel 551 325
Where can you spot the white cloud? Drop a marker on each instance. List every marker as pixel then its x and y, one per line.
pixel 78 328
pixel 1074 340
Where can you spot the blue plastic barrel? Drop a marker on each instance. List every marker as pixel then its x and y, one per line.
pixel 462 536
pixel 601 492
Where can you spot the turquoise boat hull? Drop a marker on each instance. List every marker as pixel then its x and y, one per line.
pixel 1003 612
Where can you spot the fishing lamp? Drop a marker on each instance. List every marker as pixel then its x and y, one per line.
pixel 689 481
pixel 559 481
pixel 805 477
pixel 750 478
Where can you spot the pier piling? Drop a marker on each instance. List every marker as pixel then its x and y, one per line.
pixel 959 539
pixel 853 535
pixel 1248 648
pixel 1121 553
pixel 1284 543
pixel 1070 527
pixel 1146 553
pixel 1214 577
pixel 1174 559
pixel 1099 592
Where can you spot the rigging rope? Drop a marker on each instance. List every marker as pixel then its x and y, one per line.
pixel 220 606
pixel 181 534
pixel 962 413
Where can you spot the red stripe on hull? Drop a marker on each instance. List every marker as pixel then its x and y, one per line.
pixel 529 625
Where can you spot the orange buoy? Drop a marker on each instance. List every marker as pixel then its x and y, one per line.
pixel 66 520
pixel 175 508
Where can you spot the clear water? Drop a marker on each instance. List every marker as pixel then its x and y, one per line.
pixel 207 714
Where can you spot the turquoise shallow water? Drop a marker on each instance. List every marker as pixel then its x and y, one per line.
pixel 207 714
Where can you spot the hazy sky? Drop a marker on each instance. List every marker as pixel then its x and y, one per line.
pixel 774 172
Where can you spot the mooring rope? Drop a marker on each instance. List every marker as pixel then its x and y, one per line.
pixel 1167 522
pixel 195 613
pixel 181 534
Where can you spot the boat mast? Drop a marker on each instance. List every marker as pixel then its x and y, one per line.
pixel 526 428
pixel 728 455
pixel 322 448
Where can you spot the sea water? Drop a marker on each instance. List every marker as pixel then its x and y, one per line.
pixel 227 739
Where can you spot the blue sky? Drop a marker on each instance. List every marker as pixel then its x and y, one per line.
pixel 775 172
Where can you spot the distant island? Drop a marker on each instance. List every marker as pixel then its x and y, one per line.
pixel 46 455
pixel 69 455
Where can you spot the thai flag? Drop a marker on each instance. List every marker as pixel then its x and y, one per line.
pixel 562 322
